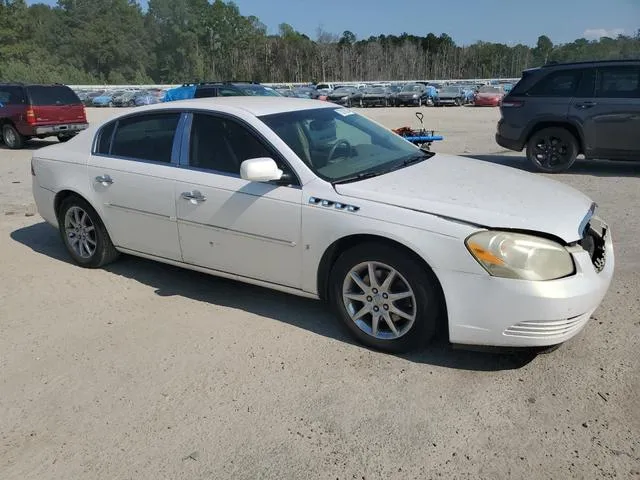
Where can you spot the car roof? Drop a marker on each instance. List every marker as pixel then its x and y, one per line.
pixel 592 62
pixel 255 105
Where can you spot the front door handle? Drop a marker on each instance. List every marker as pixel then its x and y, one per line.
pixel 104 180
pixel 194 196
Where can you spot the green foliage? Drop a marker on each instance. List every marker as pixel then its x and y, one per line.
pixel 175 41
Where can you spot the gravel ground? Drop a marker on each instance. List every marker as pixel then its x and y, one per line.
pixel 145 371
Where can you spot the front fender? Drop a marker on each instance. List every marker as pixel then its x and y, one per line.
pixel 439 241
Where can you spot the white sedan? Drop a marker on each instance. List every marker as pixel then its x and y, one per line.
pixel 316 200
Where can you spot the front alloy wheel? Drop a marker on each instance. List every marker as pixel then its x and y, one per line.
pixel 385 297
pixel 379 300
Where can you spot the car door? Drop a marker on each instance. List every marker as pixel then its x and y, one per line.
pixel 615 114
pixel 227 223
pixel 131 175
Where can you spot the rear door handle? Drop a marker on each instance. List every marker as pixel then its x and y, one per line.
pixel 584 105
pixel 104 180
pixel 193 196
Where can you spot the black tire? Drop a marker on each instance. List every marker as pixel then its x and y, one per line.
pixel 65 138
pixel 12 139
pixel 458 102
pixel 427 307
pixel 420 102
pixel 105 252
pixel 552 150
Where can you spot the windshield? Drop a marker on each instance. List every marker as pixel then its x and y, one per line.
pixel 450 90
pixel 339 144
pixel 52 95
pixel 374 90
pixel 412 88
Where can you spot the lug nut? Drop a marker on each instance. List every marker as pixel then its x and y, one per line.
pixel 375 309
pixel 384 295
pixel 375 291
pixel 386 307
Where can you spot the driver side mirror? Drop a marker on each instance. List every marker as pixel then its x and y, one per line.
pixel 260 170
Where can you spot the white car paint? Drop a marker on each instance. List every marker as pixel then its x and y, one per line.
pixel 273 236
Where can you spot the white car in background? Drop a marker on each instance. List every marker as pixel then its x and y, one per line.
pixel 312 199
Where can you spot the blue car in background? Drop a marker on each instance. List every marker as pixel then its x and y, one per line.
pixel 104 100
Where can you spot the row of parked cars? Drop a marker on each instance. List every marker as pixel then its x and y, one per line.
pixel 362 95
pixel 397 95
pixel 130 97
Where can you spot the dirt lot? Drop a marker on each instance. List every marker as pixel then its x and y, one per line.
pixel 144 371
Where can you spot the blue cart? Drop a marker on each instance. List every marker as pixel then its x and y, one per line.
pixel 422 137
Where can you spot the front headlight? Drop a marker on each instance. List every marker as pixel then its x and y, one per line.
pixel 520 256
pixel 415 96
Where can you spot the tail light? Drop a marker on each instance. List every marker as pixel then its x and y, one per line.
pixel 512 103
pixel 31 116
pixel 84 114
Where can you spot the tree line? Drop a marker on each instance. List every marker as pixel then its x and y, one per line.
pixel 176 41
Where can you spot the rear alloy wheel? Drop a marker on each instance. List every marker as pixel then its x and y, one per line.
pixel 84 234
pixel 385 299
pixel 552 150
pixel 12 138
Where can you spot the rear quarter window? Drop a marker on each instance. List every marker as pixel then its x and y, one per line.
pixel 562 83
pixel 52 95
pixel 103 144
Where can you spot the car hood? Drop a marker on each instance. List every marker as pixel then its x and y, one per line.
pixel 479 193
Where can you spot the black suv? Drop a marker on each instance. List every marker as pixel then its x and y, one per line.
pixel 560 111
pixel 232 89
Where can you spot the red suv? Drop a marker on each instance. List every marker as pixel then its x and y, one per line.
pixel 28 111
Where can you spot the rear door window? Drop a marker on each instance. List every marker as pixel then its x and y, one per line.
pixel 618 82
pixel 42 95
pixel 563 83
pixel 146 137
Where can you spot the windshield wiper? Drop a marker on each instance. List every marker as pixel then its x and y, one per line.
pixel 361 176
pixel 418 157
